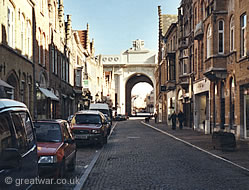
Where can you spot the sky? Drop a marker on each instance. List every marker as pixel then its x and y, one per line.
pixel 114 24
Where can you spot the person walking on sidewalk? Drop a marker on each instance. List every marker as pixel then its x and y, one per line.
pixel 180 119
pixel 173 119
pixel 155 117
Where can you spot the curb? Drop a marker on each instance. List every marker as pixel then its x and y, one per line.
pixel 85 175
pixel 196 147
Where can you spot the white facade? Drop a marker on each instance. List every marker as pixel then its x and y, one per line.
pixel 134 61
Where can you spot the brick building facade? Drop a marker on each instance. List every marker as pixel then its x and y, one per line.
pixel 39 57
pixel 213 65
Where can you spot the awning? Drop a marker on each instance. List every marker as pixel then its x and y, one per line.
pixel 5 84
pixel 49 94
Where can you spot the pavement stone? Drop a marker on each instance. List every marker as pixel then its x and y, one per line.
pixel 240 156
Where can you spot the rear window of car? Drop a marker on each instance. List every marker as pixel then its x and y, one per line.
pixel 104 111
pixel 87 119
pixel 48 132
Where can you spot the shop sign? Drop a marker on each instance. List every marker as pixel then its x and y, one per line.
pixel 201 86
pixel 85 84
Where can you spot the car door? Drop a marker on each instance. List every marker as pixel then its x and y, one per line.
pixel 69 145
pixel 17 135
pixel 26 143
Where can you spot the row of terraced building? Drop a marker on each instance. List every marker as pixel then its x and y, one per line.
pixel 203 66
pixel 44 62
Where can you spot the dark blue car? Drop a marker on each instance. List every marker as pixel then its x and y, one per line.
pixel 18 149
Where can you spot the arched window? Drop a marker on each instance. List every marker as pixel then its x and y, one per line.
pixel 23 34
pixel 221 37
pixel 11 25
pixel 43 82
pixel 243 35
pixel 29 40
pixel 43 49
pixel 209 36
pixel 232 34
pixel 39 46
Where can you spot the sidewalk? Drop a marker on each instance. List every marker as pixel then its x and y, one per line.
pixel 240 156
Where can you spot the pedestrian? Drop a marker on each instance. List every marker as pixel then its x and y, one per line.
pixel 173 119
pixel 155 117
pixel 180 119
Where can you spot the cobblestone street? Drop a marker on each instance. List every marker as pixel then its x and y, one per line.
pixel 138 157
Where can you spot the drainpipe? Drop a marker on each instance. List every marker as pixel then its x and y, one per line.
pixel 34 72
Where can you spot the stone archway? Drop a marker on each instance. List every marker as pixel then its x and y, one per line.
pixel 12 79
pixel 131 82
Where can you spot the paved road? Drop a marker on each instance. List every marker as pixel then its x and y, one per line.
pixel 138 157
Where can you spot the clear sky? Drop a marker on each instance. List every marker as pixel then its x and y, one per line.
pixel 114 24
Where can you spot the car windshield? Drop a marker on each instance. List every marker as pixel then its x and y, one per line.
pixel 48 132
pixel 87 119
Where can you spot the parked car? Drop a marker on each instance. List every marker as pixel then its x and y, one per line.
pixel 102 107
pixel 18 148
pixel 121 117
pixel 109 123
pixel 89 126
pixel 56 147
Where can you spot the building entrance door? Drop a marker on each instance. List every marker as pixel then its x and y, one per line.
pixel 246 115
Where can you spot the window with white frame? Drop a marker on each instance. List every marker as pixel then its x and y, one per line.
pixel 11 25
pixel 209 36
pixel 55 62
pixel 43 50
pixel 232 34
pixel 67 71
pixel 52 59
pixel 78 78
pixel 39 46
pixel 184 66
pixel 221 37
pixel 29 42
pixel 243 35
pixel 64 69
pixel 22 34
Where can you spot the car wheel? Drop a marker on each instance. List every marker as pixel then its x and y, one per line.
pixel 72 165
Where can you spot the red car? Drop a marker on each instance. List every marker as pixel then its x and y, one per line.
pixel 90 126
pixel 56 148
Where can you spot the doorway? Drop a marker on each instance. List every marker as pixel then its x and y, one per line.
pixel 246 115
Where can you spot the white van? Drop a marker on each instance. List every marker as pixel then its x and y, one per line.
pixel 102 107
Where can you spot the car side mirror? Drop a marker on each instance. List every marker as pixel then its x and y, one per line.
pixel 10 158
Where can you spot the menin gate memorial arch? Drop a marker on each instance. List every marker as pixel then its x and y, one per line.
pixel 132 66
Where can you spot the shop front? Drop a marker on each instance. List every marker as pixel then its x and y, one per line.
pixel 246 112
pixel 202 106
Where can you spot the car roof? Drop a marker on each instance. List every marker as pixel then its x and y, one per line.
pixel 50 121
pixel 88 112
pixel 99 106
pixel 8 103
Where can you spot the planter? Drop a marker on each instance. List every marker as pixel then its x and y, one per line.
pixel 224 141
